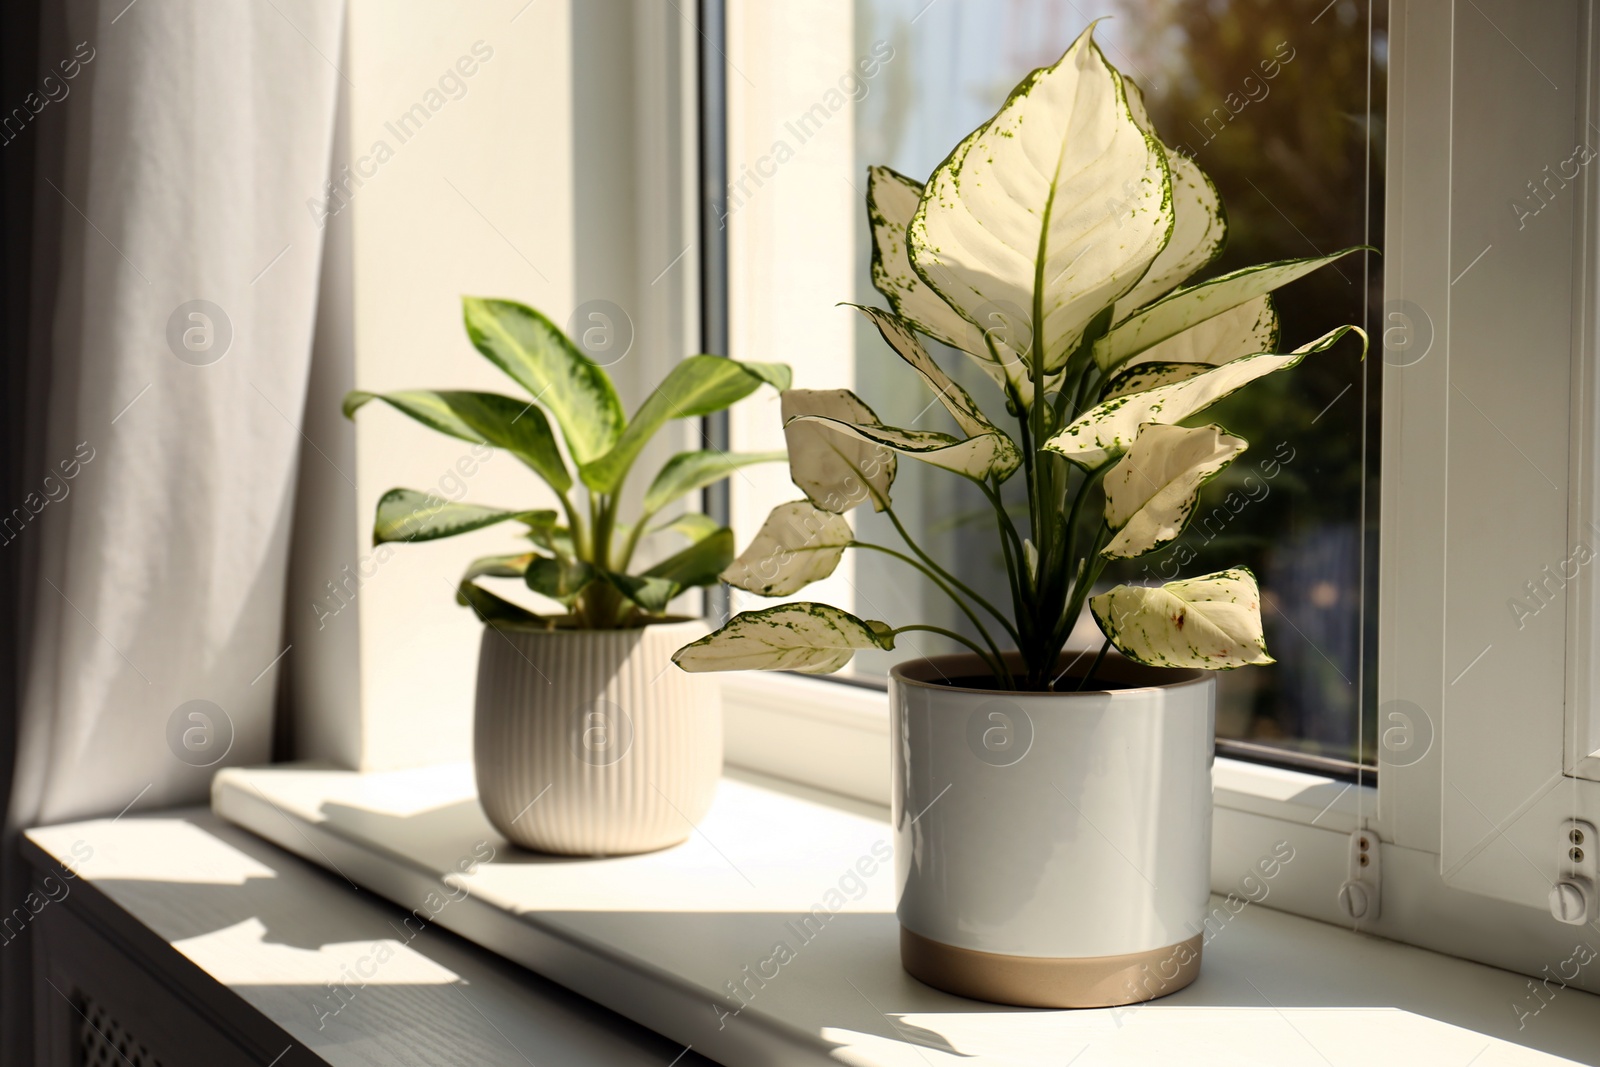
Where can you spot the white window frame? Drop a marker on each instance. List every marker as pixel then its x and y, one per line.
pixel 1476 895
pixel 1489 447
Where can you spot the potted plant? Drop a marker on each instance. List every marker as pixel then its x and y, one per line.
pixel 1052 815
pixel 585 741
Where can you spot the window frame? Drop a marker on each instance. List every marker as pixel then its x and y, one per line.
pixel 1489 801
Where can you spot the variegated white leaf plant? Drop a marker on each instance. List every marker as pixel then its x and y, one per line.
pixel 1053 247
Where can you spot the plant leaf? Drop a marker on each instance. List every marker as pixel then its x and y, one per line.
pixel 499 566
pixel 809 638
pixel 892 200
pixel 559 579
pixel 409 515
pixel 1017 216
pixel 836 472
pixel 1145 376
pixel 974 457
pixel 699 564
pixel 692 524
pixel 492 609
pixel 956 400
pixel 1242 331
pixel 540 358
pixel 696 386
pixel 650 593
pixel 1199 227
pixel 517 426
pixel 1110 426
pixel 1183 308
pixel 797 545
pixel 688 471
pixel 1212 622
pixel 1152 492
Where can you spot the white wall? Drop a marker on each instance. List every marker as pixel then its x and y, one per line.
pixel 479 197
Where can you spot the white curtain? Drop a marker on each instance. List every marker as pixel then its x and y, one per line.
pixel 188 142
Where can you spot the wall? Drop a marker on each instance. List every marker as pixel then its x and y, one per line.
pixel 474 193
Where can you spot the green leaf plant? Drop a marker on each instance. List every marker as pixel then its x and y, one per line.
pixel 580 555
pixel 1056 246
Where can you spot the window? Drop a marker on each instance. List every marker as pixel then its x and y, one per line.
pixel 1281 104
pixel 1468 168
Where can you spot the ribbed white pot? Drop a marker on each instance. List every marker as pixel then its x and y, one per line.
pixel 1052 849
pixel 592 742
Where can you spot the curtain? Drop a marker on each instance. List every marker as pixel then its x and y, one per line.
pixel 181 149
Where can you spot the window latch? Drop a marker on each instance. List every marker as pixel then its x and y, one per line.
pixel 1573 898
pixel 1361 895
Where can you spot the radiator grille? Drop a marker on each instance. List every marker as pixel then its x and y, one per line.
pixel 104 1042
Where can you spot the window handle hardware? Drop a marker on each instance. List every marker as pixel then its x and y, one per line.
pixel 1361 895
pixel 1573 898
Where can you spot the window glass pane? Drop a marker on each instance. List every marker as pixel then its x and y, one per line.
pixel 1280 102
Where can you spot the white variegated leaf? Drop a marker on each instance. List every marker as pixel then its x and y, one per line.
pixel 955 399
pixel 809 638
pixel 1152 492
pixel 1212 622
pixel 1198 228
pixel 1110 426
pixel 892 200
pixel 1183 308
pixel 836 472
pixel 1242 331
pixel 797 545
pixel 975 457
pixel 1056 206
pixel 1148 376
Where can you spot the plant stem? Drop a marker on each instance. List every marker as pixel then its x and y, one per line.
pixel 574 526
pixel 1084 682
pixel 988 640
pixel 631 544
pixel 946 575
pixel 995 665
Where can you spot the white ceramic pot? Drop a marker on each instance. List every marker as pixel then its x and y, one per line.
pixel 1052 849
pixel 592 742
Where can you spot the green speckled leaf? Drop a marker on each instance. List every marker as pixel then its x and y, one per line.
pixel 836 471
pixel 975 457
pixel 892 201
pixel 1212 622
pixel 809 638
pixel 1152 492
pixel 1056 206
pixel 1148 376
pixel 797 545
pixel 1245 330
pixel 1183 308
pixel 1199 227
pixel 955 399
pixel 1110 427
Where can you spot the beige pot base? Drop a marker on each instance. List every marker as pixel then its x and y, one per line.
pixel 1037 982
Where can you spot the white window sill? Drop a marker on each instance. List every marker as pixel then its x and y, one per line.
pixel 661 937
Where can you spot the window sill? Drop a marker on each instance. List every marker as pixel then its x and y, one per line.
pixel 663 938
